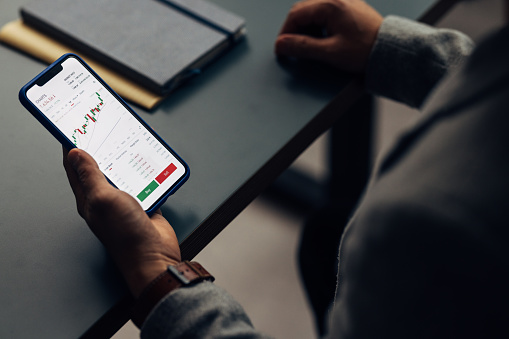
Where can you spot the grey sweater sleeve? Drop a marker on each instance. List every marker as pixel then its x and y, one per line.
pixel 409 58
pixel 200 311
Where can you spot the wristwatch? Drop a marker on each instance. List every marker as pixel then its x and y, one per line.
pixel 184 274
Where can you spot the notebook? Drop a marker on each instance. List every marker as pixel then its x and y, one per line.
pixel 158 44
pixel 24 38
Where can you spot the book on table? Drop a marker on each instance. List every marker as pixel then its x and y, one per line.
pixel 158 44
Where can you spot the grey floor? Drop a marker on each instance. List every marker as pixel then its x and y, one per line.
pixel 254 257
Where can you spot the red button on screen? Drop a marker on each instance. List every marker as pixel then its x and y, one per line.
pixel 166 173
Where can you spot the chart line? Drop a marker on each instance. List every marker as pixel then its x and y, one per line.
pixel 106 138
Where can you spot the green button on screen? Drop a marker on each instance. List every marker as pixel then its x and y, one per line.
pixel 147 191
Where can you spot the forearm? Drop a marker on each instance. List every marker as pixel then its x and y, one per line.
pixel 409 59
pixel 203 310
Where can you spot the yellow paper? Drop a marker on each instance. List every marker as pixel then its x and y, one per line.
pixel 26 39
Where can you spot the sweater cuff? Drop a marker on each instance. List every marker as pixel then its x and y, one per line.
pixel 199 311
pixel 409 58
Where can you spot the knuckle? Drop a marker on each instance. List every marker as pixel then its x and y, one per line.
pixel 100 200
pixel 83 175
pixel 298 6
pixel 294 10
pixel 331 6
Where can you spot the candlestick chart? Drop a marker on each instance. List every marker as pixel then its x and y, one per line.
pixel 89 118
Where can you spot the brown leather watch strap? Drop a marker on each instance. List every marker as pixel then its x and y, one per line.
pixel 185 273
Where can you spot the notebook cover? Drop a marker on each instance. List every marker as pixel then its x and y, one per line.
pixel 148 41
pixel 40 46
pixel 216 16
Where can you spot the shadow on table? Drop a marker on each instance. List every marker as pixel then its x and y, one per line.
pixel 179 220
pixel 313 78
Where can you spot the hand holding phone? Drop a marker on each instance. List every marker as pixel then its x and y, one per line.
pixel 141 246
pixel 82 111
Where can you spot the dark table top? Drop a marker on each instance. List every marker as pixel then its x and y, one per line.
pixel 238 125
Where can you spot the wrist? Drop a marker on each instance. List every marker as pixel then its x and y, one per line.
pixel 175 276
pixel 138 277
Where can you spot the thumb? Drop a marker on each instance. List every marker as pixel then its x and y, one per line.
pixel 302 46
pixel 89 175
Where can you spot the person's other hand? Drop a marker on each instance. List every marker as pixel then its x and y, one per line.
pixel 141 246
pixel 350 28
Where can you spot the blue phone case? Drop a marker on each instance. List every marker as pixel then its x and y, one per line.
pixel 68 144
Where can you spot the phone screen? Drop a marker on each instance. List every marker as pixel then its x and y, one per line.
pixel 90 116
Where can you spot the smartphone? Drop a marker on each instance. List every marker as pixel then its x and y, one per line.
pixel 82 111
